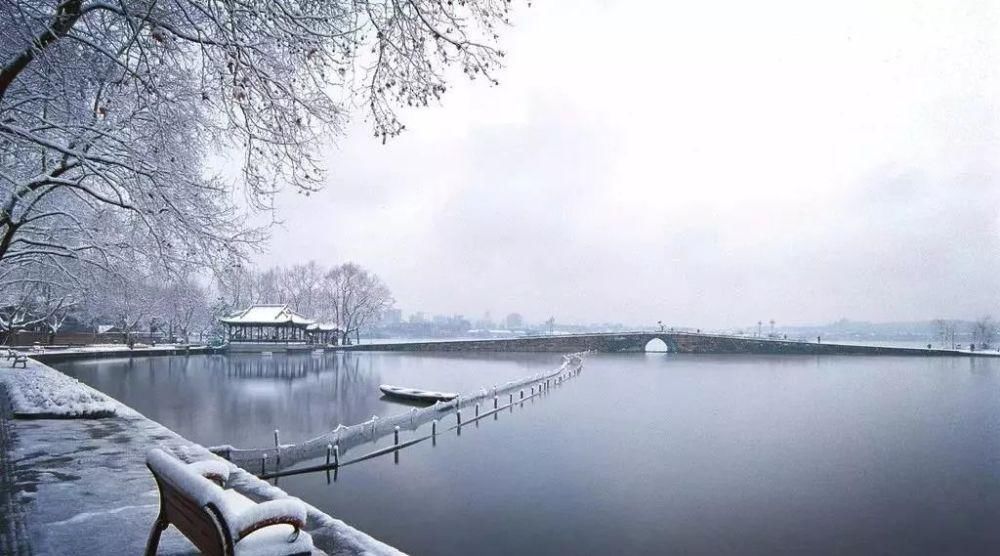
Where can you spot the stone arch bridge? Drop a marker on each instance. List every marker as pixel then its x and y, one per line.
pixel 617 342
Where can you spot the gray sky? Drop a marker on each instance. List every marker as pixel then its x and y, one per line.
pixel 703 163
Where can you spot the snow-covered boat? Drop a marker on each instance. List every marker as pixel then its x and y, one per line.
pixel 415 395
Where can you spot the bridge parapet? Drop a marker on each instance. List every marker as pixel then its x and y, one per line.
pixel 677 342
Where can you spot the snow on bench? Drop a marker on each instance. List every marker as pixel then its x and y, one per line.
pixel 221 521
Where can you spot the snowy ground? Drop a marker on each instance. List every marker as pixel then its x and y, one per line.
pixel 38 391
pixel 80 486
pixel 91 348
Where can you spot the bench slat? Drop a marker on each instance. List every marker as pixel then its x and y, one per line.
pixel 194 521
pixel 188 501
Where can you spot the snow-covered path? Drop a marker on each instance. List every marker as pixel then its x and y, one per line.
pixel 80 486
pixel 40 392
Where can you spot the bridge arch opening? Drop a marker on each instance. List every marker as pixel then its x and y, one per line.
pixel 656 345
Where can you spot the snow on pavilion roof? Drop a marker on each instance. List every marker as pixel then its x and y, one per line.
pixel 267 315
pixel 325 326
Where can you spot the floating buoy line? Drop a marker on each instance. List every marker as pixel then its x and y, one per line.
pixel 274 462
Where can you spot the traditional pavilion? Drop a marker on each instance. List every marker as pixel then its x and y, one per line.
pixel 324 333
pixel 275 327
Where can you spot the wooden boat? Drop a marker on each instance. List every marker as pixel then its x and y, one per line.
pixel 415 395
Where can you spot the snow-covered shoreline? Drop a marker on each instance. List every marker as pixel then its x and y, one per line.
pixel 106 456
pixel 102 351
pixel 38 391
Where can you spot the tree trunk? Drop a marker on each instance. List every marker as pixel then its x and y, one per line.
pixel 8 236
pixel 66 16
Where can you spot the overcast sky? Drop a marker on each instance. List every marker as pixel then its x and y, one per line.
pixel 704 163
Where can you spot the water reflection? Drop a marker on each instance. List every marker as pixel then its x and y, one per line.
pixel 651 454
pixel 240 399
pixel 645 454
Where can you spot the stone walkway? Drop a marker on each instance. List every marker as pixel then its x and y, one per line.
pixel 80 486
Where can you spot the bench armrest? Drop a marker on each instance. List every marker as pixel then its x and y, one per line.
pixel 213 470
pixel 287 511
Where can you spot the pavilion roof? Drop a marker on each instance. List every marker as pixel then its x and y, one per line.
pixel 267 315
pixel 324 326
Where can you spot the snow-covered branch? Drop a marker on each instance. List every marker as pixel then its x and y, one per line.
pixel 110 108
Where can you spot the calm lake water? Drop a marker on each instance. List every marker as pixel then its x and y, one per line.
pixel 640 454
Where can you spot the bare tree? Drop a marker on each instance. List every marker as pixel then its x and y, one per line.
pixel 984 331
pixel 108 109
pixel 946 331
pixel 57 303
pixel 301 286
pixel 36 295
pixel 184 306
pixel 355 299
pixel 243 287
pixel 17 309
pixel 127 297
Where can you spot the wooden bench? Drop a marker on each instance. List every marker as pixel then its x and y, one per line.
pixel 21 360
pixel 220 521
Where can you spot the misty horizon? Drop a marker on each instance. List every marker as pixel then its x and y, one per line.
pixel 840 167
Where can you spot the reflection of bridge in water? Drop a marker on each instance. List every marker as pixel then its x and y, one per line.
pixel 676 342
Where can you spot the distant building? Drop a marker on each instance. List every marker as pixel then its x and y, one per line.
pixel 485 323
pixel 392 317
